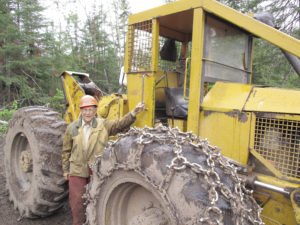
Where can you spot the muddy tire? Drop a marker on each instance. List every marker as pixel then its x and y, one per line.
pixel 164 177
pixel 32 157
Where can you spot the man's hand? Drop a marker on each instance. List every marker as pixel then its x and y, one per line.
pixel 66 176
pixel 139 108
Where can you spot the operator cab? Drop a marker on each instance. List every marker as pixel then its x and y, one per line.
pixel 172 48
pixel 226 58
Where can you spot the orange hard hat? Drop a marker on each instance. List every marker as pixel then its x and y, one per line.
pixel 87 100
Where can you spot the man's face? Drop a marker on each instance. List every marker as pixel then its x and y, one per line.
pixel 88 113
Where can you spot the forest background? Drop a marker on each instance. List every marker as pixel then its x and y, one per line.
pixel 34 52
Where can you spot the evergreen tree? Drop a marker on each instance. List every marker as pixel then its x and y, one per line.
pixel 120 11
pixel 24 72
pixel 99 52
pixel 10 54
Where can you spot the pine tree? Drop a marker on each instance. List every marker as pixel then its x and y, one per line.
pixel 10 53
pixel 98 50
pixel 25 61
pixel 120 15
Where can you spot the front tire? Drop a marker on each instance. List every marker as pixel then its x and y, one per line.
pixel 166 177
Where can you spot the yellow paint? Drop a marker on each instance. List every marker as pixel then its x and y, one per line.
pixel 276 207
pixel 229 131
pixel 226 96
pixel 287 116
pixel 164 10
pixel 128 50
pixel 177 123
pixel 295 206
pixel 113 106
pixel 223 121
pixel 136 95
pixel 155 44
pixel 73 93
pixel 196 70
pixel 187 61
pixel 243 21
pixel 274 100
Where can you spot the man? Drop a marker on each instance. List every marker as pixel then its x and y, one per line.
pixel 85 139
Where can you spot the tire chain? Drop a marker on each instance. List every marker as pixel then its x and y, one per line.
pixel 213 214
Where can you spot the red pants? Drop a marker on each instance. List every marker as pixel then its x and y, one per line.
pixel 76 191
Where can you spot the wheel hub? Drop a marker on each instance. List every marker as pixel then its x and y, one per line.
pixel 26 161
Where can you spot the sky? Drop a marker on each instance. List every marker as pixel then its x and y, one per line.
pixel 82 6
pixel 141 5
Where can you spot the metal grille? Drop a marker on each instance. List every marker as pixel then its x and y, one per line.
pixel 140 46
pixel 278 141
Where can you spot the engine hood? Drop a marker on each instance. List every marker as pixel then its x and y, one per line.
pixel 267 99
pixel 244 97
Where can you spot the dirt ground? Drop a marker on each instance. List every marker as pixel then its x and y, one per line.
pixel 9 216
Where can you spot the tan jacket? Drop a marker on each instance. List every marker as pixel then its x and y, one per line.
pixel 74 160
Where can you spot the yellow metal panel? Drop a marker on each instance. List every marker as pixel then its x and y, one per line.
pixel 136 95
pixel 230 132
pixel 73 93
pixel 180 124
pixel 277 208
pixel 196 70
pixel 253 26
pixel 124 105
pixel 250 68
pixel 286 116
pixel 295 205
pixel 226 97
pixel 112 106
pixel 167 9
pixel 169 32
pixel 252 132
pixel 221 137
pixel 274 100
pixel 155 44
pixel 128 49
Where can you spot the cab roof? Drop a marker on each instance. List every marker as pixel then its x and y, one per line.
pixel 176 18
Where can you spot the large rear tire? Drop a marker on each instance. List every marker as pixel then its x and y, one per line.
pixel 32 156
pixel 165 177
